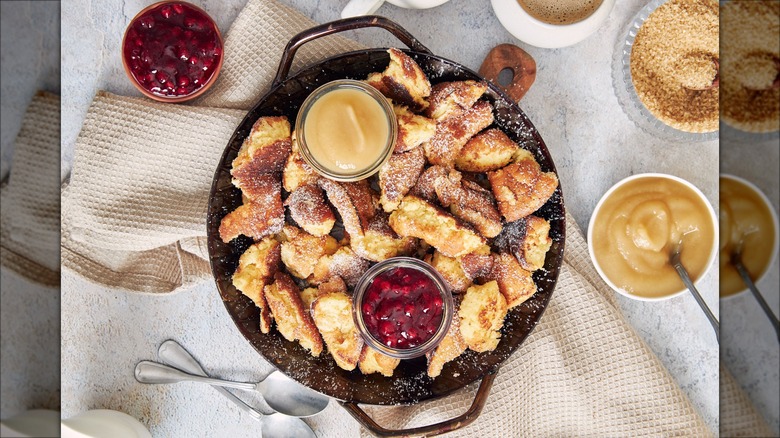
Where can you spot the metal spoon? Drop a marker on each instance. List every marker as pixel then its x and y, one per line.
pixel 674 259
pixel 280 393
pixel 736 260
pixel 273 425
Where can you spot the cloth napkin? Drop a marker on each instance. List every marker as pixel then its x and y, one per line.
pixel 738 416
pixel 134 218
pixel 30 198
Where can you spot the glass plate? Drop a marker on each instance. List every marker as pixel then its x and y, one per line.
pixel 626 93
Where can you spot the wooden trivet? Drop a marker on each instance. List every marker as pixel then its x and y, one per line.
pixel 522 65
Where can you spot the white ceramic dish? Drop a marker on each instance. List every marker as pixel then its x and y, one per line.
pixel 417 4
pixel 357 8
pixel 626 93
pixel 775 245
pixel 103 423
pixel 710 260
pixel 32 423
pixel 540 34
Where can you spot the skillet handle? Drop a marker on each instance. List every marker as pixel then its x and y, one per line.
pixel 340 26
pixel 480 398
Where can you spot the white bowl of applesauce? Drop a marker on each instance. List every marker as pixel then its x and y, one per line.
pixel 747 215
pixel 636 225
pixel 346 130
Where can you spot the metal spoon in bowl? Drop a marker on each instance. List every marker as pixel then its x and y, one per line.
pixel 273 425
pixel 674 259
pixel 736 260
pixel 281 393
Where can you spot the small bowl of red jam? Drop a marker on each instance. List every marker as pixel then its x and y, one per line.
pixel 172 51
pixel 402 307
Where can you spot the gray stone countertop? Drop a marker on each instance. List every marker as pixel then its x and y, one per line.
pixel 572 104
pixel 29 313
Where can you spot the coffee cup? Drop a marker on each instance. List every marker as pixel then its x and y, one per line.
pixel 549 23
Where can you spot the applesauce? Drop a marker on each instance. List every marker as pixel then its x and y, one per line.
pixel 745 216
pixel 637 225
pixel 346 130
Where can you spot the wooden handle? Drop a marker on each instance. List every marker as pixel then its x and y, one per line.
pixel 518 61
pixel 480 398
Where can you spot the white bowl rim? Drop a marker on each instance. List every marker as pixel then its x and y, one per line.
pixel 775 222
pixel 713 252
pixel 545 35
pixel 402 4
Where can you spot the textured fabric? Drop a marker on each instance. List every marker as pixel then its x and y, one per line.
pixel 30 213
pixel 253 47
pixel 134 218
pixel 738 416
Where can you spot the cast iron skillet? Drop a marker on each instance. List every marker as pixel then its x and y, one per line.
pixel 409 383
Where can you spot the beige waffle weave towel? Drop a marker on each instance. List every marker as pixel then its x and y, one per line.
pixel 30 199
pixel 134 218
pixel 738 416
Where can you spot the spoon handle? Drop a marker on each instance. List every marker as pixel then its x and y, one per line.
pixel 175 355
pixel 153 372
pixel 749 282
pixel 699 300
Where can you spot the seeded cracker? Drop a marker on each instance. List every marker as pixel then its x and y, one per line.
pixel 673 64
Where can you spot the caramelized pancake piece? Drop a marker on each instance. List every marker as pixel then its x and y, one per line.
pixel 332 314
pixel 296 171
pixel 478 264
pixel 308 296
pixel 256 268
pixel 343 263
pixel 450 348
pixel 265 150
pixel 292 321
pixel 522 188
pixel 528 239
pixel 514 282
pixel 372 361
pixel 535 243
pixel 477 206
pixel 262 213
pixel 413 129
pixel 301 251
pixel 403 81
pixel 450 98
pixel 416 217
pixel 310 211
pixel 380 242
pixel 354 201
pixel 425 187
pixel 398 176
pixel 334 284
pixel 259 187
pixel 253 220
pixel 454 132
pixel 469 202
pixel 482 315
pixel 451 270
pixel 489 150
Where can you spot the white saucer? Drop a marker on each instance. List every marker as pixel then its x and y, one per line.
pixel 417 4
pixel 537 33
